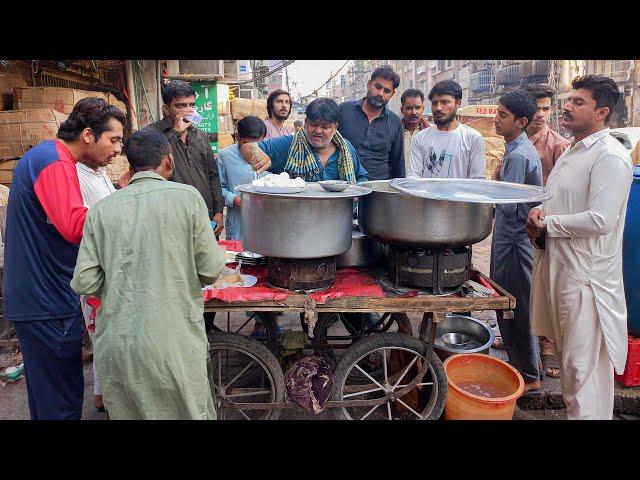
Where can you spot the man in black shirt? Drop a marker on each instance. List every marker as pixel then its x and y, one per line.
pixel 195 164
pixel 373 129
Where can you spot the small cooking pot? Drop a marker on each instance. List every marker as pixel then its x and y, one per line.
pixel 364 251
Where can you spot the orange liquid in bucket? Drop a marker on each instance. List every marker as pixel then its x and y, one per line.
pixel 481 387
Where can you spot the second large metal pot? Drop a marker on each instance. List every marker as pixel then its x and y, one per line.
pixel 311 224
pixel 397 218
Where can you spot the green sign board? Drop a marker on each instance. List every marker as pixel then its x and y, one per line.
pixel 207 106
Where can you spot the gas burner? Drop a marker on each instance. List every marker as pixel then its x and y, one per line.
pixel 439 270
pixel 308 275
pixel 387 284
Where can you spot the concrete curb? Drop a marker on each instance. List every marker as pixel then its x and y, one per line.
pixel 626 401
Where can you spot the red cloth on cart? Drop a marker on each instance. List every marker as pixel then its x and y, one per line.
pixel 349 282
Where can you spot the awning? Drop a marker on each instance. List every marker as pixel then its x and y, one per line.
pixel 478 111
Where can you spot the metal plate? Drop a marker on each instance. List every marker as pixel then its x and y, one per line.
pixel 334 185
pixel 249 255
pixel 313 191
pixel 470 190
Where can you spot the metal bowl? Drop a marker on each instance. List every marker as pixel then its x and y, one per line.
pixel 480 336
pixel 334 185
pixel 455 339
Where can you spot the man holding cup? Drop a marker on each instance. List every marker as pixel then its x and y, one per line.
pixel 195 164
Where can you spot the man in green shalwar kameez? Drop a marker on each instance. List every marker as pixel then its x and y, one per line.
pixel 146 251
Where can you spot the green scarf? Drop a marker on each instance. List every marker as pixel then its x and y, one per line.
pixel 302 163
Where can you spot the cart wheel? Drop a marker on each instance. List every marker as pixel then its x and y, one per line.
pixel 244 371
pixel 324 344
pixel 401 355
pixel 246 326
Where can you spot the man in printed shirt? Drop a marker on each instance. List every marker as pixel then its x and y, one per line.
pixel 550 145
pixel 45 218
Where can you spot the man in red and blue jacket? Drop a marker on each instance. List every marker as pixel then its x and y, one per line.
pixel 45 218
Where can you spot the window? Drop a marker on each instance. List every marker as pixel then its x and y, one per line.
pixel 615 67
pixel 448 64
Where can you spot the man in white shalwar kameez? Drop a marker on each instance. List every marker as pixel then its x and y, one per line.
pixel 577 293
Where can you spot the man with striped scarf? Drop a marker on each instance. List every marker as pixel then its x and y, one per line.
pixel 317 152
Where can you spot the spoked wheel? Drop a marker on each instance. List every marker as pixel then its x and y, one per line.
pixel 244 371
pixel 325 343
pixel 402 357
pixel 268 335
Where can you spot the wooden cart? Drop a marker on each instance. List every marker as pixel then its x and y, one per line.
pixel 249 383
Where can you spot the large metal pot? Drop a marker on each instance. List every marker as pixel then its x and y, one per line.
pixel 364 251
pixel 397 218
pixel 310 224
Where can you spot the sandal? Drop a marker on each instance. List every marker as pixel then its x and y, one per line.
pixel 549 361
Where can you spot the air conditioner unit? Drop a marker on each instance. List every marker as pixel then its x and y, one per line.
pixel 249 93
pixel 201 67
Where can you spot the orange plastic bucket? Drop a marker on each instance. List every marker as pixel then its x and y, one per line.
pixel 481 387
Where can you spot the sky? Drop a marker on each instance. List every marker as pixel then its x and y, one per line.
pixel 310 74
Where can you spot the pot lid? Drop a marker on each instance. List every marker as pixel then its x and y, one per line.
pixel 470 190
pixel 313 191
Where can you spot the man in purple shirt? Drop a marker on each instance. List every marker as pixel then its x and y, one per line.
pixel 279 109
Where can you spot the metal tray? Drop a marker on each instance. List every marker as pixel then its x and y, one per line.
pixel 470 190
pixel 313 191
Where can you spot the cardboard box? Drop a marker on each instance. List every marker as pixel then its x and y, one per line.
pixel 60 99
pixel 112 100
pixel 9 81
pixel 22 129
pixel 225 124
pixel 117 168
pixel 4 198
pixel 225 140
pixel 244 107
pixel 6 173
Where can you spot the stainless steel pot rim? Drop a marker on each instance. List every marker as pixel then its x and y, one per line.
pixel 313 191
pixel 470 190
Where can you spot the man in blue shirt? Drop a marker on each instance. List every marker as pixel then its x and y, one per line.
pixel 373 129
pixel 317 152
pixel 234 171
